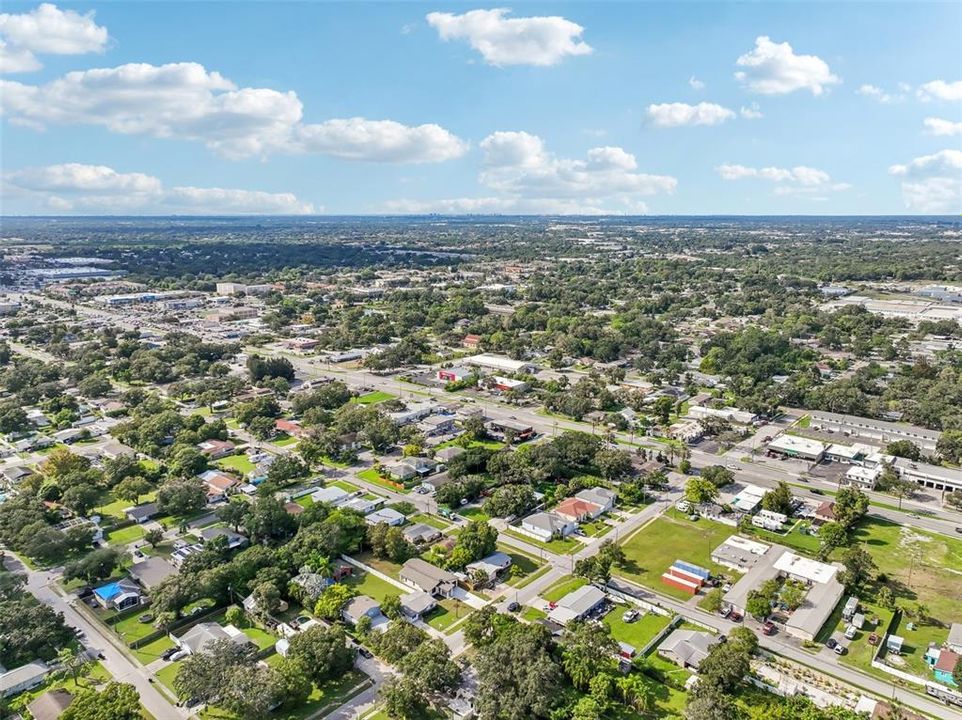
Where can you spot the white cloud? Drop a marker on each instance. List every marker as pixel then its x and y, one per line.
pixel 752 112
pixel 518 163
pixel 774 69
pixel 186 101
pixel 938 126
pixel 873 91
pixel 46 30
pixel 695 83
pixel 76 186
pixel 527 178
pixel 940 90
pixel 932 183
pixel 788 181
pixel 666 115
pixel 512 41
pixel 380 141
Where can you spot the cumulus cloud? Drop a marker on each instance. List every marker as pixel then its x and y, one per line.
pixel 752 112
pixel 788 181
pixel 879 94
pixel 940 90
pixel 695 83
pixel 188 102
pixel 512 41
pixel 80 187
pixel 46 30
pixel 774 69
pixel 932 183
pixel 527 178
pixel 938 126
pixel 666 115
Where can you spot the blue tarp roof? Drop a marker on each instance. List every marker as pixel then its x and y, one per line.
pixel 108 591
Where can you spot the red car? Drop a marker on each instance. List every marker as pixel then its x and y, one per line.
pixel 735 616
pixel 768 628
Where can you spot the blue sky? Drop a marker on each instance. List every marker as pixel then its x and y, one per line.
pixel 159 107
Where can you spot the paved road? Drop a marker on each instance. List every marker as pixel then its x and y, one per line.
pixel 114 661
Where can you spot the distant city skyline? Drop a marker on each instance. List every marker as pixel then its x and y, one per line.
pixel 540 108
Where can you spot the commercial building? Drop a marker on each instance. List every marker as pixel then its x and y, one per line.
pixel 521 431
pixel 500 363
pixel 738 553
pixel 878 432
pixel 454 374
pixel 731 414
pixel 930 476
pixel 797 447
pixel 824 589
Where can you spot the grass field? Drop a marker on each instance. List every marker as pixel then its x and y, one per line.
pixel 371 475
pixel 240 463
pixel 638 633
pixel 474 513
pixel 652 550
pixel 559 547
pixel 925 567
pixel 167 674
pixel 525 563
pixel 153 650
pixel 131 628
pixel 285 441
pixel 372 398
pixel 446 614
pixel 563 587
pixel 795 538
pixel 372 585
pixel 429 520
pixel 126 535
pixel 531 614
pixel 344 485
pixel 115 508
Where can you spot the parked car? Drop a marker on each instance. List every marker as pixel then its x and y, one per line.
pixel 630 616
pixel 179 655
pixel 839 649
pixel 850 632
pixel 768 628
pixel 725 611
pixel 365 653
pixel 816 491
pixel 169 653
pixel 831 643
pixel 513 606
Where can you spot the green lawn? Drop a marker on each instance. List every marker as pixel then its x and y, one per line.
pixel 559 547
pixel 371 475
pixel 796 538
pixel 527 564
pixel 130 629
pixel 125 535
pixel 240 463
pixel 285 441
pixel 638 633
pixel 474 513
pixel 372 398
pixel 596 528
pixel 925 567
pixel 489 444
pixel 372 585
pixel 531 614
pixel 917 642
pixel 446 614
pixel 563 587
pixel 652 550
pixel 115 508
pixel 344 485
pixel 153 650
pixel 305 501
pixel 167 674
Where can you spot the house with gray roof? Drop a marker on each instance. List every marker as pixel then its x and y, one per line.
pixel 417 604
pixel 687 648
pixel 422 575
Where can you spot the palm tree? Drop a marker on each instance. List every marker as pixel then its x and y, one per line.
pixel 323 565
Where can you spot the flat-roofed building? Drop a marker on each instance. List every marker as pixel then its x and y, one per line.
pixel 577 605
pixel 499 363
pixel 739 553
pixel 879 432
pixel 936 477
pixel 797 447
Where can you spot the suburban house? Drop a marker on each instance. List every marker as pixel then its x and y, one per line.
pixel 687 648
pixel 201 635
pixel 437 425
pixel 943 662
pixel 216 449
pixel 577 605
pixel 234 539
pixel 331 495
pixel 289 427
pixel 825 513
pixel 421 533
pixel 448 454
pixel 51 705
pixel 25 677
pixel 955 638
pixel 401 471
pixel 142 513
pixel 600 496
pixel 547 525
pixel 118 595
pixel 422 575
pixel 577 510
pixel 492 565
pixel 364 606
pixel 417 604
pixel 385 515
pixel 219 485
pixel 151 572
